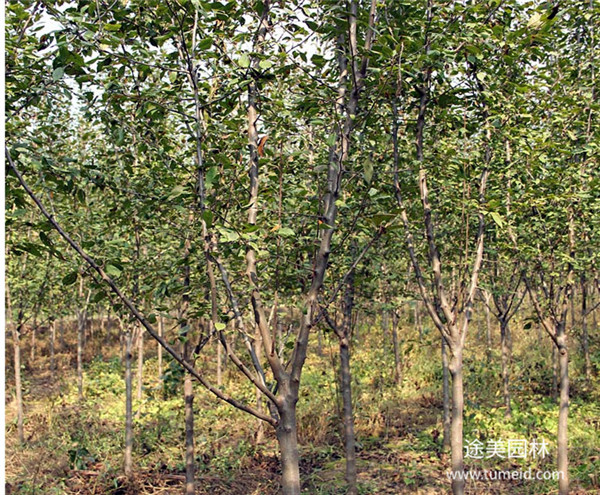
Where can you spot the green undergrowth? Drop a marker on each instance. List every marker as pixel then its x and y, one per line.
pixel 399 427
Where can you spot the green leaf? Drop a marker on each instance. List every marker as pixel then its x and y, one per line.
pixel 58 73
pixel 497 219
pixel 70 278
pixel 265 64
pixel 113 27
pixel 244 61
pixel 112 270
pixel 368 171
pixel 220 326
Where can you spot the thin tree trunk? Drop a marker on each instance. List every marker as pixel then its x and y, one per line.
pixel 52 339
pixel 32 350
pixel 349 437
pixel 61 334
pixel 140 368
pixel 346 387
pixel 385 324
pixel 554 373
pixel 456 371
pixel 260 430
pixel 161 326
pixel 319 342
pixel 488 326
pixel 562 454
pixel 587 365
pixel 16 333
pixel 418 320
pixel 128 463
pixel 397 360
pixel 505 366
pixel 219 362
pixel 446 420
pixel 80 330
pixel 188 391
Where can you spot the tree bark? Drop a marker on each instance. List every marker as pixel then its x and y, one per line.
pixel 346 387
pixel 16 332
pixel 32 350
pixel 52 339
pixel 418 321
pixel 128 462
pixel 562 454
pixel 555 373
pixel 288 444
pixel 140 367
pixel 80 330
pixel 488 327
pixel 587 365
pixel 349 438
pixel 446 420
pixel 188 391
pixel 61 334
pixel 397 359
pixel 161 330
pixel 505 366
pixel 456 370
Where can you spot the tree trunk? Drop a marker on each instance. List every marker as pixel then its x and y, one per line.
pixel 140 368
pixel 418 322
pixel 554 373
pixel 61 334
pixel 319 342
pixel 346 387
pixel 128 463
pixel 385 324
pixel 562 453
pixel 18 386
pixel 446 396
pixel 32 350
pixel 505 366
pixel 456 370
pixel 348 417
pixel 80 330
pixel 161 331
pixel 587 365
pixel 397 359
pixel 188 391
pixel 288 446
pixel 260 428
pixel 52 338
pixel 488 328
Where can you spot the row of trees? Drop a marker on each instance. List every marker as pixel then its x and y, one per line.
pixel 242 164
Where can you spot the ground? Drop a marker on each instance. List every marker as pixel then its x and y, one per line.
pixel 76 447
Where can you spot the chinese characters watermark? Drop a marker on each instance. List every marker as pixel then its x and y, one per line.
pixel 517 448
